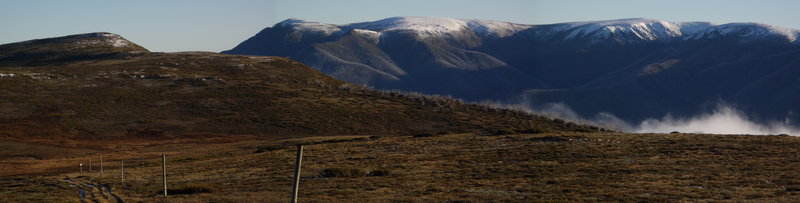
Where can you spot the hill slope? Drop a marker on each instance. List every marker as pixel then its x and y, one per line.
pixel 633 68
pixel 161 95
pixel 67 48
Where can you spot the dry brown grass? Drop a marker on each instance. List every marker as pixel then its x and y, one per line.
pixel 157 96
pixel 463 167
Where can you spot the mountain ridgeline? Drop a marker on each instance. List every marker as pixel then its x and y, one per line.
pixel 632 68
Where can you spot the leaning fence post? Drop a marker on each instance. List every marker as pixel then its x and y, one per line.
pixel 297 173
pixel 164 170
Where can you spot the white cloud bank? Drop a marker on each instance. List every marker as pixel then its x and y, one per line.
pixel 724 119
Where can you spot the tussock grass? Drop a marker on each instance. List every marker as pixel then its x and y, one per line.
pixel 342 172
pixel 157 96
pixel 194 188
pixel 544 167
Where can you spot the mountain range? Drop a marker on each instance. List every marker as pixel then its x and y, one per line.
pixel 632 68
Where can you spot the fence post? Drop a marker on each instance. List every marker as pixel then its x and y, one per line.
pixel 299 161
pixel 90 164
pixel 122 171
pixel 81 167
pixel 164 170
pixel 101 165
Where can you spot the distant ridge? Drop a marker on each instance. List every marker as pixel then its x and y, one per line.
pixel 67 48
pixel 634 68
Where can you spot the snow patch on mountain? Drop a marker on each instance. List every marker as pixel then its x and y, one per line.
pixel 635 29
pixel 621 31
pixel 369 35
pixel 308 26
pixel 424 26
pixel 489 28
pixel 102 38
pixel 693 28
pixel 434 26
pixel 751 30
pixel 638 29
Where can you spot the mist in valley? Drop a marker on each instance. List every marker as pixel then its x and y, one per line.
pixel 722 119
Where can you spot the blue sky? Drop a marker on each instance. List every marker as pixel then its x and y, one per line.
pixel 216 25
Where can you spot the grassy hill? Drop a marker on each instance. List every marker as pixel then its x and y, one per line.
pixel 61 50
pixel 164 95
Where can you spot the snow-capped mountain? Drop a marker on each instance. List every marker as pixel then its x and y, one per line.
pixel 752 30
pixel 634 68
pixel 424 26
pixel 625 30
pixel 620 31
pixel 636 30
pixel 440 27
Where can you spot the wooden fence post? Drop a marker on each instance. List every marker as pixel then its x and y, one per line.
pixel 90 164
pixel 122 171
pixel 81 167
pixel 101 165
pixel 299 161
pixel 164 170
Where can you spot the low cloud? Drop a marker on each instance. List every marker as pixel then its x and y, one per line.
pixel 724 119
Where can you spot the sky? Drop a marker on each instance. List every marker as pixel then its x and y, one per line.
pixel 214 25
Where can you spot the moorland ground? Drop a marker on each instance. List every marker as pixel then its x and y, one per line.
pixel 448 167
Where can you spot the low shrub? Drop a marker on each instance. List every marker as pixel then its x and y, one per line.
pixel 267 149
pixel 379 173
pixel 189 189
pixel 503 132
pixel 342 172
pixel 423 135
pixel 530 131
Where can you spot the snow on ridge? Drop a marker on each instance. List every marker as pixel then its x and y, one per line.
pixel 309 26
pixel 692 28
pixel 752 30
pixel 425 26
pixel 621 30
pixel 442 26
pixel 429 26
pixel 495 28
pixel 635 29
pixel 103 38
pixel 371 36
pixel 642 29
